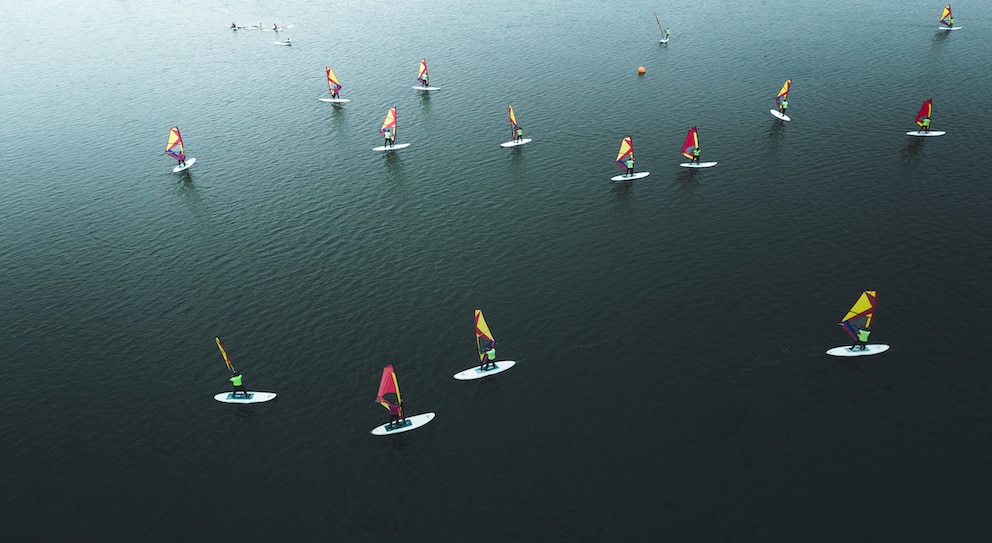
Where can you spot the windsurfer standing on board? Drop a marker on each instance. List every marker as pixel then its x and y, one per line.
pixel 695 155
pixel 390 138
pixel 862 343
pixel 783 105
pixel 518 134
pixel 236 380
pixel 182 159
pixel 490 359
pixel 395 414
pixel 925 124
pixel 629 164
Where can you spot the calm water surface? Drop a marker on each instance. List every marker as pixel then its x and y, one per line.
pixel 669 333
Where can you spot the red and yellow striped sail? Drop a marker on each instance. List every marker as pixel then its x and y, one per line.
pixel 483 337
pixel 332 81
pixel 223 352
pixel 925 111
pixel 861 313
pixel 691 142
pixel 945 16
pixel 389 388
pixel 513 123
pixel 389 123
pixel 174 147
pixel 783 94
pixel 422 71
pixel 626 150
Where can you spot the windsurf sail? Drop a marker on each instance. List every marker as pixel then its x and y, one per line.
pixel 626 150
pixel 783 94
pixel 389 123
pixel 691 142
pixel 945 16
pixel 223 352
pixel 174 147
pixel 513 123
pixel 483 337
pixel 332 81
pixel 422 72
pixel 657 20
pixel 925 112
pixel 861 313
pixel 389 388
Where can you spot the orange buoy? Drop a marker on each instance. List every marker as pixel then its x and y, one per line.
pixel 641 70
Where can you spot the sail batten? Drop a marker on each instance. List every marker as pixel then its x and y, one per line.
pixel 861 313
pixel 483 336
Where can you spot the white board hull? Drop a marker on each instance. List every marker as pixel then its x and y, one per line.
pixel 946 28
pixel 254 397
pixel 412 423
pixel 189 163
pixel 427 89
pixel 515 143
pixel 869 350
pixel 923 134
pixel 779 115
pixel 700 165
pixel 478 373
pixel 391 147
pixel 631 177
pixel 334 100
pixel 282 43
pixel 663 41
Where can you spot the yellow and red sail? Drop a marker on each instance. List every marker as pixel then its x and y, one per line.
pixel 513 123
pixel 223 352
pixel 483 337
pixel 691 142
pixel 783 94
pixel 332 81
pixel 389 123
pixel 174 147
pixel 626 150
pixel 389 388
pixel 861 313
pixel 945 16
pixel 925 111
pixel 422 71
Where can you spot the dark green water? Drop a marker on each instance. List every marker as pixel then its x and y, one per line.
pixel 670 333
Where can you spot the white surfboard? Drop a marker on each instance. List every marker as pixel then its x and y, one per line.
pixel 282 43
pixel 334 100
pixel 663 41
pixel 515 143
pixel 411 423
pixel 253 397
pixel 630 177
pixel 478 373
pixel 700 165
pixel 179 168
pixel 426 88
pixel 869 350
pixel 925 134
pixel 392 147
pixel 946 28
pixel 779 115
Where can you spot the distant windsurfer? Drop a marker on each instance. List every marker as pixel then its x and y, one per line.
pixel 695 155
pixel 783 105
pixel 862 343
pixel 275 27
pixel 950 22
pixel 234 26
pixel 182 159
pixel 629 164
pixel 518 134
pixel 334 92
pixel 236 380
pixel 396 415
pixel 925 124
pixel 390 137
pixel 667 33
pixel 490 357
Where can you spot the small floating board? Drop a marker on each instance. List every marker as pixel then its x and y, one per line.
pixel 779 115
pixel 334 100
pixel 392 147
pixel 410 423
pixel 426 88
pixel 663 41
pixel 869 350
pixel 925 134
pixel 946 28
pixel 282 43
pixel 515 143
pixel 180 167
pixel 478 373
pixel 631 177
pixel 253 397
pixel 700 165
